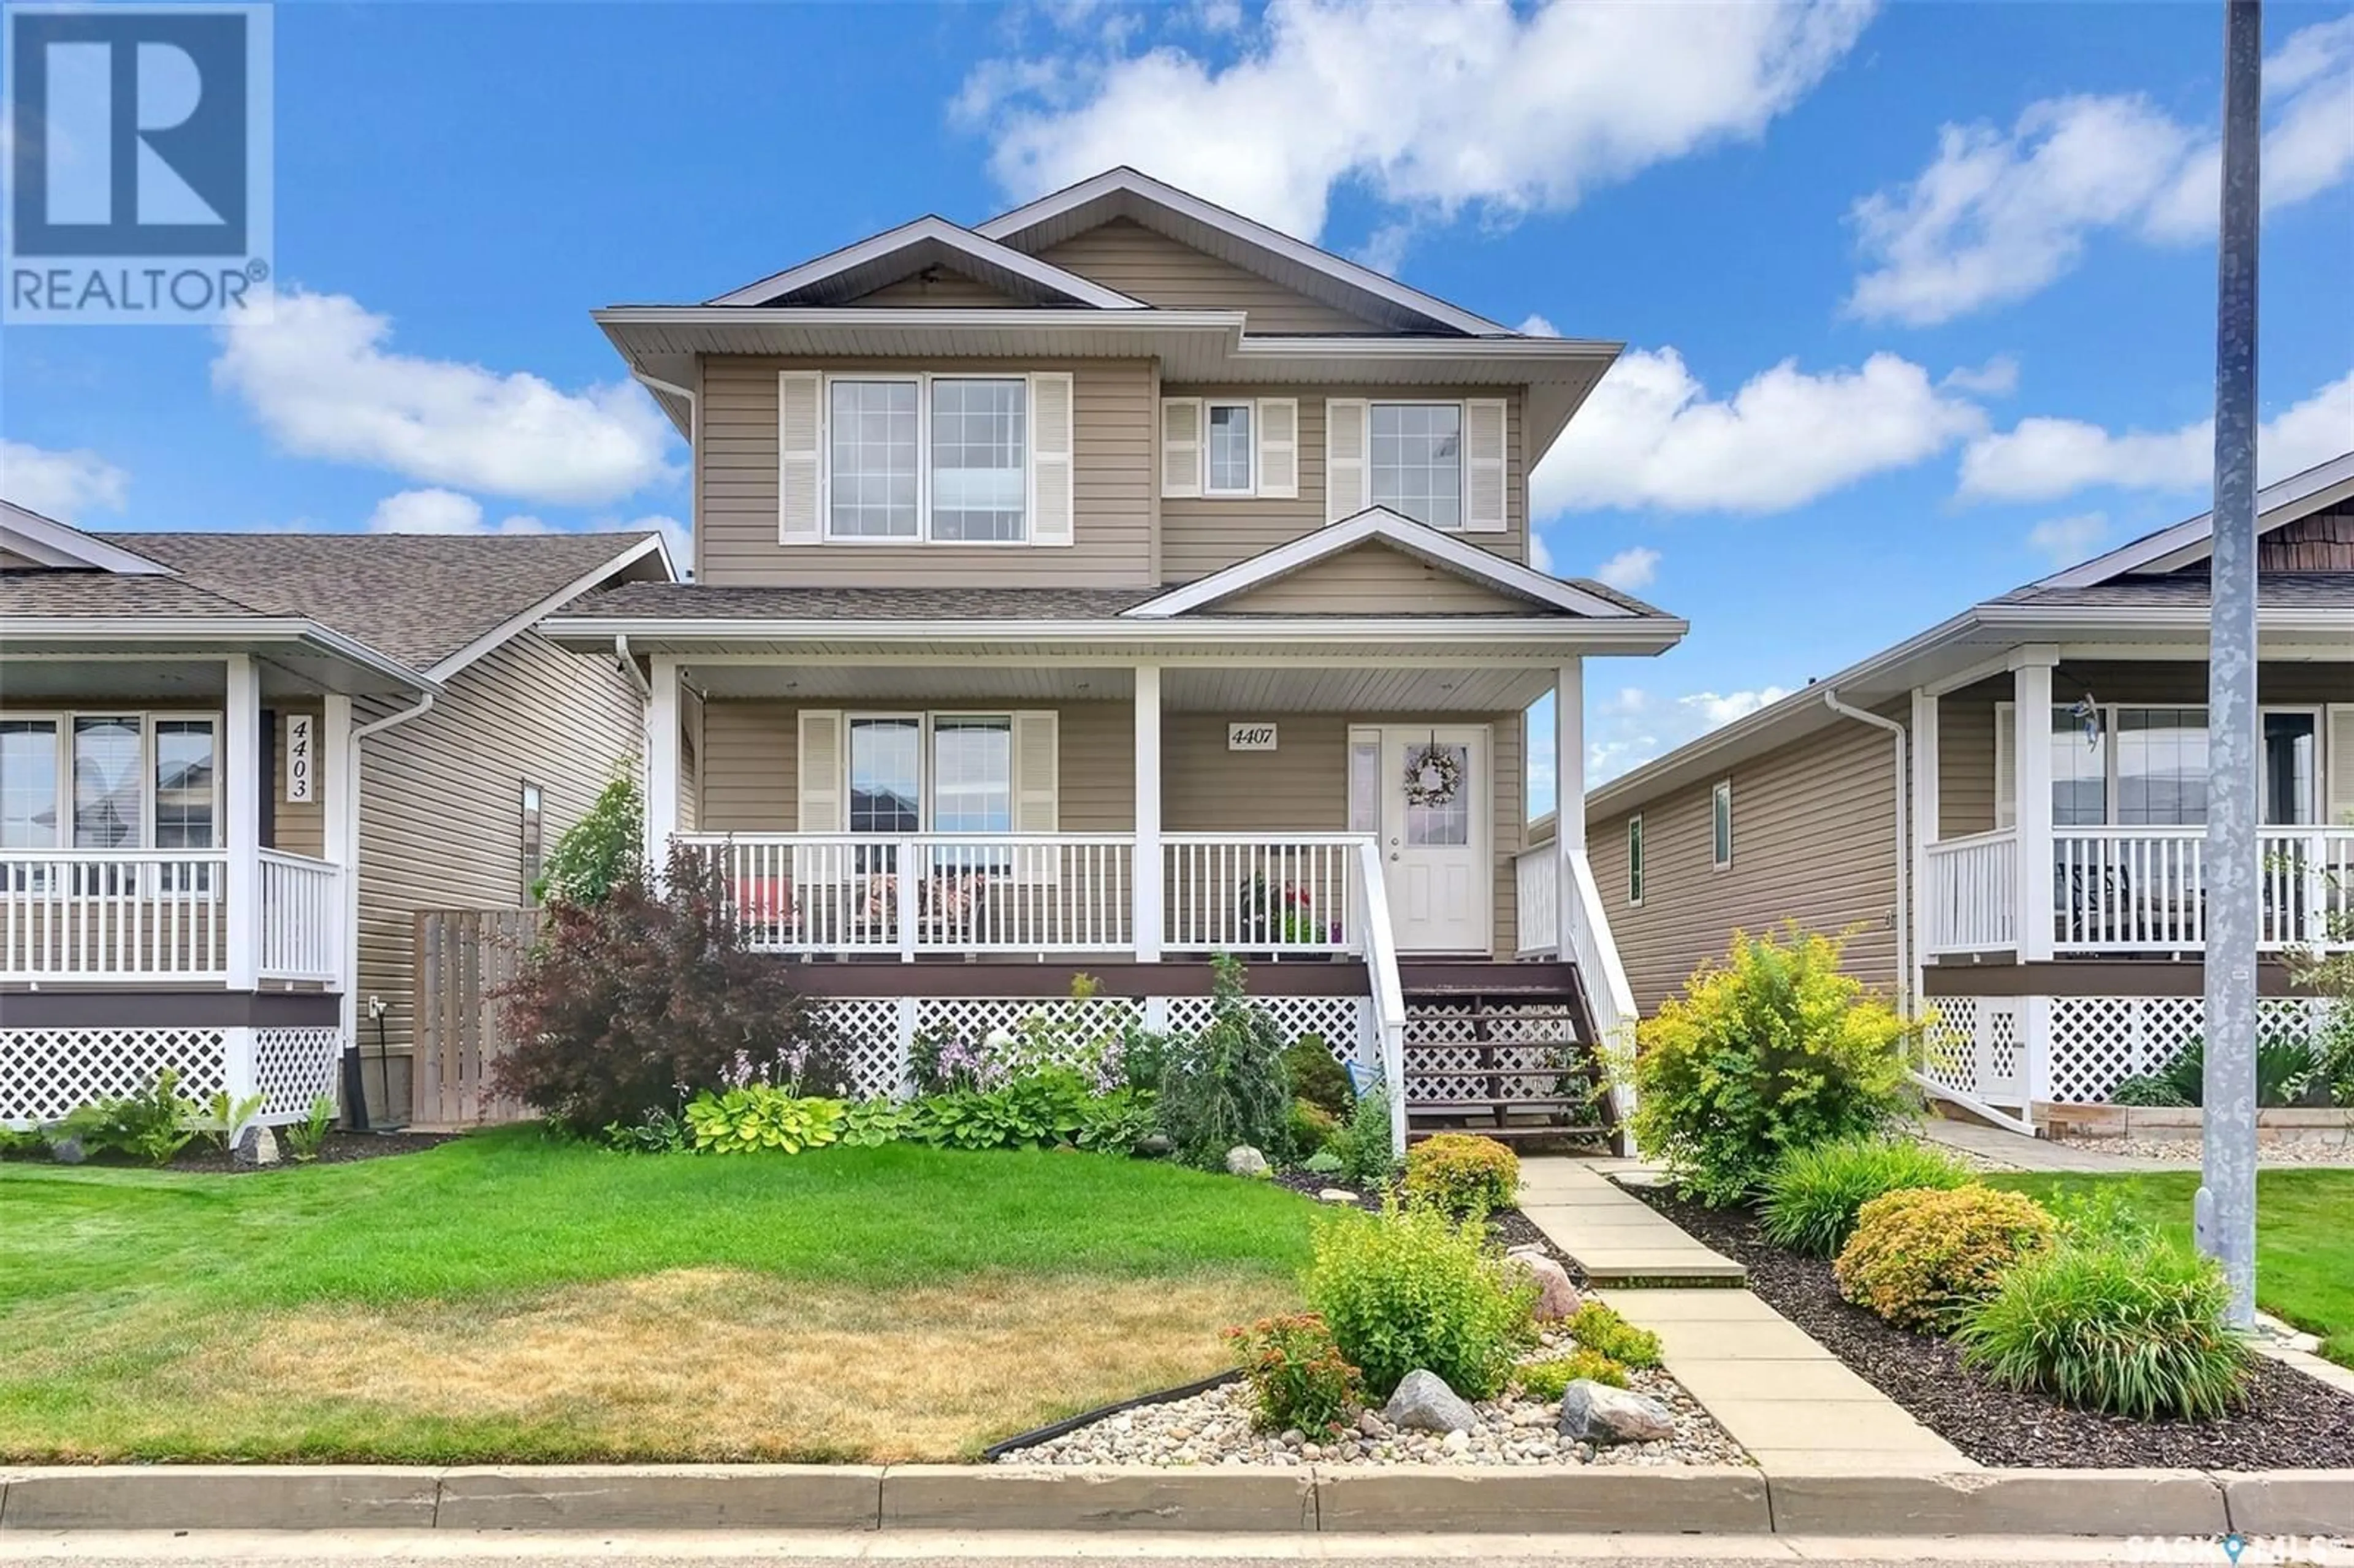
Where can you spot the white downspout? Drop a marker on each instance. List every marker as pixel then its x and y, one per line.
pixel 1912 1003
pixel 348 776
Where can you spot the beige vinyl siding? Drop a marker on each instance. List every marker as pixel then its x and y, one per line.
pixel 298 827
pixel 1113 436
pixel 10 561
pixel 1965 758
pixel 441 808
pixel 1814 839
pixel 690 760
pixel 1374 579
pixel 940 287
pixel 1201 534
pixel 1150 267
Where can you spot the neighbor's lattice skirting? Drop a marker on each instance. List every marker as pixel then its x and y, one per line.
pixel 1979 1047
pixel 2099 1041
pixel 46 1073
pixel 877 1033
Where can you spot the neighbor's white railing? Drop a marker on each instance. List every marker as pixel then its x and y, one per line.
pixel 1971 901
pixel 1536 899
pixel 298 934
pixel 918 893
pixel 1263 893
pixel 117 915
pixel 2128 889
pixel 2308 887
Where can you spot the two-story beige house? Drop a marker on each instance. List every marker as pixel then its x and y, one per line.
pixel 1117 582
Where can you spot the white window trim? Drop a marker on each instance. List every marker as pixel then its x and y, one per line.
pixel 923 381
pixel 2005 708
pixel 63 718
pixel 1638 870
pixel 926 801
pixel 1210 406
pixel 1462 458
pixel 1721 792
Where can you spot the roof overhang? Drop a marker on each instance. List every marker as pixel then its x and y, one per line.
pixel 27 533
pixel 2187 542
pixel 645 560
pixel 665 341
pixel 886 258
pixel 317 656
pixel 1379 525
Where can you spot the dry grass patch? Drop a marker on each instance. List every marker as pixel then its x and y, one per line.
pixel 710 1364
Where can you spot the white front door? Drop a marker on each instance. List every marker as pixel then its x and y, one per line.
pixel 1435 858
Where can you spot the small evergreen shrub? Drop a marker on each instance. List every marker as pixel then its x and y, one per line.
pixel 1462 1174
pixel 1919 1258
pixel 1227 1085
pixel 1409 1287
pixel 1318 1078
pixel 2132 1327
pixel 2148 1090
pixel 1775 1049
pixel 1602 1330
pixel 1298 1375
pixel 1550 1379
pixel 1324 1162
pixel 1363 1146
pixel 1812 1194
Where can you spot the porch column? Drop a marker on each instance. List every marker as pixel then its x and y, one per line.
pixel 662 761
pixel 1147 878
pixel 338 784
pixel 1923 816
pixel 246 780
pixel 2031 756
pixel 1568 799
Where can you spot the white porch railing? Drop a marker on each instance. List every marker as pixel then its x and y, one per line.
pixel 1971 901
pixel 1536 900
pixel 1263 893
pixel 2125 890
pixel 144 917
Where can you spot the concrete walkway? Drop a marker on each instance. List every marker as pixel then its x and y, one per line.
pixel 2014 1151
pixel 1616 1238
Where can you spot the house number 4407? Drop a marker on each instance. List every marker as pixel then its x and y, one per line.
pixel 1250 737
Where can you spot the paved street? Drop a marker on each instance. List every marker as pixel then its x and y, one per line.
pixel 937 1550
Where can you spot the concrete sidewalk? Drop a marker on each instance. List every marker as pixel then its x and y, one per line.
pixel 1614 1237
pixel 2014 1151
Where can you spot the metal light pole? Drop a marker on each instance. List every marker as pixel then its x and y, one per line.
pixel 2226 1211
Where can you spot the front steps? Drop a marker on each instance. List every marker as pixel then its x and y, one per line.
pixel 1502 1050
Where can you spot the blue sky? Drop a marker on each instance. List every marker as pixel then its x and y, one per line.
pixel 1918 300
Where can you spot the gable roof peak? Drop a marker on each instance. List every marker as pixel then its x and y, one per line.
pixel 2279 504
pixel 884 259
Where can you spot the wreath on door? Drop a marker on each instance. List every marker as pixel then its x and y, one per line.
pixel 1433 775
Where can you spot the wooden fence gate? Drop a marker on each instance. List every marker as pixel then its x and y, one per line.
pixel 462 955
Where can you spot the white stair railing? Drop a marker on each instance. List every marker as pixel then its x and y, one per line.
pixel 1372 909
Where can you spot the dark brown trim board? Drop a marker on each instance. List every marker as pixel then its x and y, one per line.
pixel 2093 977
pixel 1113 977
pixel 170 1010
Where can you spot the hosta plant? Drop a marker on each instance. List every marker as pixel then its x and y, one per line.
pixel 761 1117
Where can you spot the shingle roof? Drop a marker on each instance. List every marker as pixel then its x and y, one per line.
pixel 26 595
pixel 2300 590
pixel 418 598
pixel 693 600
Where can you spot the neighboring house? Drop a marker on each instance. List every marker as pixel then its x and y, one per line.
pixel 1115 582
pixel 2035 769
pixel 179 719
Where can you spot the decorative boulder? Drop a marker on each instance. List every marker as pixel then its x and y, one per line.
pixel 1556 1297
pixel 1336 1195
pixel 1424 1403
pixel 256 1145
pixel 1597 1413
pixel 66 1151
pixel 1154 1146
pixel 1241 1159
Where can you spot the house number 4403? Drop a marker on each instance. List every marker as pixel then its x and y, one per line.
pixel 1250 737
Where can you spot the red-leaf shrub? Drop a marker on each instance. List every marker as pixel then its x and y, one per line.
pixel 646 997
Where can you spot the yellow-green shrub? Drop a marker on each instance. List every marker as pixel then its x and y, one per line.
pixel 1774 1050
pixel 1462 1174
pixel 1920 1256
pixel 1550 1379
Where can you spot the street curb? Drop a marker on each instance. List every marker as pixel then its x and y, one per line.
pixel 1289 1500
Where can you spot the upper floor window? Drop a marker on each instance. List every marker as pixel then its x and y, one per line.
pixel 1417 461
pixel 873 491
pixel 949 458
pixel 978 465
pixel 1229 449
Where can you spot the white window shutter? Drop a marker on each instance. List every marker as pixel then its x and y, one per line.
pixel 1347 437
pixel 1277 423
pixel 800 447
pixel 1484 490
pixel 1180 447
pixel 820 754
pixel 2006 772
pixel 1052 417
pixel 1038 806
pixel 2338 803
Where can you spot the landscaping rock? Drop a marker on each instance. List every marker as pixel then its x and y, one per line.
pixel 1154 1146
pixel 1336 1195
pixel 1597 1412
pixel 256 1145
pixel 1556 1297
pixel 1422 1402
pixel 1241 1159
pixel 67 1150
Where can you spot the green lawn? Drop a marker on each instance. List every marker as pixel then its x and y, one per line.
pixel 2304 1238
pixel 503 1297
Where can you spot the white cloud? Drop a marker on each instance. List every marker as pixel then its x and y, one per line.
pixel 1538 327
pixel 1631 568
pixel 1633 725
pixel 1433 107
pixel 1540 552
pixel 1651 437
pixel 1997 377
pixel 677 538
pixel 443 511
pixel 2042 459
pixel 1999 214
pixel 321 379
pixel 59 484
pixel 2067 540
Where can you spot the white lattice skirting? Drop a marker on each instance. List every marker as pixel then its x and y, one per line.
pixel 1461 1067
pixel 46 1073
pixel 1977 1047
pixel 2099 1041
pixel 878 1033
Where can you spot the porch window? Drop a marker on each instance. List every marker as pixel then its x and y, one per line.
pixel 28 783
pixel 1417 461
pixel 2080 771
pixel 2161 767
pixel 979 472
pixel 886 781
pixel 1720 825
pixel 1230 441
pixel 2292 748
pixel 106 753
pixel 1634 859
pixel 108 781
pixel 973 775
pixel 873 489
pixel 184 784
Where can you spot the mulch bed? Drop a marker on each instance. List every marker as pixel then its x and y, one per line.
pixel 340 1149
pixel 1508 1227
pixel 2293 1421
